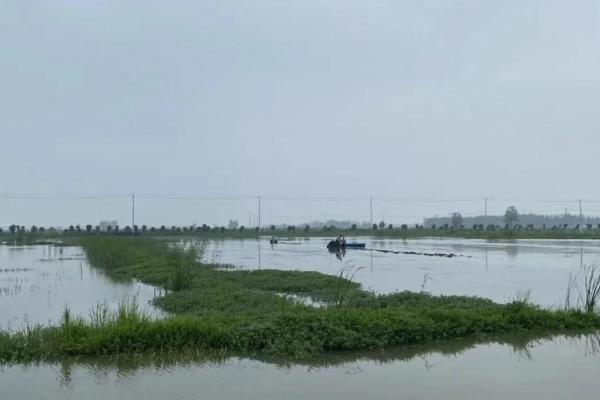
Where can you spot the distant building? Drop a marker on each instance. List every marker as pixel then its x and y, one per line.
pixel 233 225
pixel 105 224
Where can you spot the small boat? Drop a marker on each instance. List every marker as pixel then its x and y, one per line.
pixel 334 246
pixel 355 245
pixel 273 241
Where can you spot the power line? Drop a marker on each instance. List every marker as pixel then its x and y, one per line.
pixel 192 197
pixel 315 199
pixel 424 201
pixel 63 197
pixel 167 196
pixel 537 201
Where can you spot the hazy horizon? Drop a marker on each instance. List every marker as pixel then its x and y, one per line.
pixel 446 101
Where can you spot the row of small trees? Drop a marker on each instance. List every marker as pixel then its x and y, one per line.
pixel 20 229
pixel 511 217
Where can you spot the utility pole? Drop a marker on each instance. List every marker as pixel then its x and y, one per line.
pixel 580 213
pixel 371 218
pixel 485 212
pixel 132 210
pixel 259 213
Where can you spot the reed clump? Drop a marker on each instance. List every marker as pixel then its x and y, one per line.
pixel 583 289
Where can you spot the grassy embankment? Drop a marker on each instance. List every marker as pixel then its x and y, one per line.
pixel 245 312
pixel 412 233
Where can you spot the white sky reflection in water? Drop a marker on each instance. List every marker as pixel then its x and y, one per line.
pixel 499 270
pixel 38 282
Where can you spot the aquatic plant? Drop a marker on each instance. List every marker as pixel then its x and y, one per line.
pixel 591 287
pixel 571 286
pixel 426 279
pixel 342 292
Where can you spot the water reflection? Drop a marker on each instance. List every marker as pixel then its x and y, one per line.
pixel 519 346
pixel 38 282
pixel 437 370
pixel 512 250
pixel 339 253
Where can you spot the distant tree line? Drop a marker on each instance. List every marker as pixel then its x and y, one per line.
pixel 455 221
pixel 116 229
pixel 513 219
pixel 143 229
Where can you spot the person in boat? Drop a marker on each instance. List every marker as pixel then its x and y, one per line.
pixel 273 240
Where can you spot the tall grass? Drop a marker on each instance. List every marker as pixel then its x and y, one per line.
pixel 100 315
pixel 343 292
pixel 591 285
pixel 587 281
pixel 571 287
pixel 183 257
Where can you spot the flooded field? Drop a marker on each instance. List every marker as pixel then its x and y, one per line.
pixel 501 270
pixel 38 282
pixel 560 368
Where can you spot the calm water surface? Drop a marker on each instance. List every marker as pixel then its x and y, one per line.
pixel 38 282
pixel 561 368
pixel 501 270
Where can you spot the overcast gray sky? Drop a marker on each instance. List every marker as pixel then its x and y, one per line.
pixel 405 99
